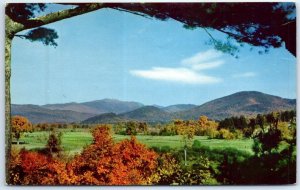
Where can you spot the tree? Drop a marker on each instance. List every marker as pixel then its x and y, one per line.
pixel 225 134
pixel 168 130
pixel 261 121
pixel 83 168
pixel 54 142
pixel 168 170
pixel 187 131
pixel 258 24
pixel 206 127
pixel 202 125
pixel 119 128
pixel 106 163
pixel 142 127
pixel 33 168
pixel 227 123
pixel 132 163
pixel 131 128
pixel 273 118
pixel 20 125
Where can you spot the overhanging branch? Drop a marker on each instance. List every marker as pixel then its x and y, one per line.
pixel 60 15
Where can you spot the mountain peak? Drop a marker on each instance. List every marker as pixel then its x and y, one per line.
pixel 240 103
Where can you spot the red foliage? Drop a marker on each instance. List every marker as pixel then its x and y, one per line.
pixel 83 168
pixel 106 163
pixel 101 163
pixel 40 169
pixel 135 163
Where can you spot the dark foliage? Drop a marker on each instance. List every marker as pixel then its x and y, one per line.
pixel 258 24
pixel 21 12
pixel 45 35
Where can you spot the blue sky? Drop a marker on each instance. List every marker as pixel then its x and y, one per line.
pixel 112 54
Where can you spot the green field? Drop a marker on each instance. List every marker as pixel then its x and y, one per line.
pixel 74 141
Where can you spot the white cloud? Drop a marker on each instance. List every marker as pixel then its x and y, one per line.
pixel 204 60
pixel 244 75
pixel 189 73
pixel 207 65
pixel 182 75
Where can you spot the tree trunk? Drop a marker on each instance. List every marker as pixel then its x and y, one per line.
pixel 8 42
pixel 185 157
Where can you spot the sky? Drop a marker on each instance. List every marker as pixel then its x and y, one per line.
pixel 113 54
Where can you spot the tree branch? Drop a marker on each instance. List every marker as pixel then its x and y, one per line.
pixel 214 40
pixel 60 15
pixel 21 36
pixel 238 37
pixel 132 12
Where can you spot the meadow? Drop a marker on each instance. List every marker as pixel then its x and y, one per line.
pixel 74 141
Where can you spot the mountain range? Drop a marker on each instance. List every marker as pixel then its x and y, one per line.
pixel 246 103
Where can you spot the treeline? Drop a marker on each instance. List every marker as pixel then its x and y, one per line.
pixel 261 119
pixel 248 125
pixel 52 126
pixel 228 128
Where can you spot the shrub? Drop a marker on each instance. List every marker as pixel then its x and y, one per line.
pixel 238 134
pixel 154 133
pixel 196 145
pixel 212 133
pixel 225 134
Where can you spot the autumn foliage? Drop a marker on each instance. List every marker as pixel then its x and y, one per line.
pixel 33 168
pixel 106 163
pixel 19 125
pixel 101 163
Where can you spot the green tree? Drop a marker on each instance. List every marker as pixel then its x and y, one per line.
pixel 119 128
pixel 142 127
pixel 225 134
pixel 54 142
pixel 131 128
pixel 227 123
pixel 168 130
pixel 261 121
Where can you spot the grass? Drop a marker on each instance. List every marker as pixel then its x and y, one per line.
pixel 175 142
pixel 74 141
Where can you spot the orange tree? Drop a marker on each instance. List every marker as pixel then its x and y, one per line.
pixel 106 163
pixel 34 168
pixel 19 125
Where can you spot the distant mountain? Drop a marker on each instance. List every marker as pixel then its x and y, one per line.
pixel 178 107
pixel 104 118
pixel 110 111
pixel 72 107
pixel 147 114
pixel 241 103
pixel 38 114
pixel 97 107
pixel 158 106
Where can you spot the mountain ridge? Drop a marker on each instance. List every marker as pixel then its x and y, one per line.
pixel 240 103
